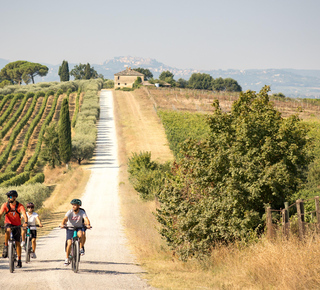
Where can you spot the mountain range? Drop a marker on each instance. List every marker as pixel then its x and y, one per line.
pixel 290 82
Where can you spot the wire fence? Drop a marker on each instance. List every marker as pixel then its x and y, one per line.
pixel 299 222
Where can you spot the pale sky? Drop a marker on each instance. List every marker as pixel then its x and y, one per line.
pixel 205 35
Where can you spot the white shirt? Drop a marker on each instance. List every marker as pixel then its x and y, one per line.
pixel 32 220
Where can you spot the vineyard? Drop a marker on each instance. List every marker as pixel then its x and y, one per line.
pixel 24 118
pixel 201 101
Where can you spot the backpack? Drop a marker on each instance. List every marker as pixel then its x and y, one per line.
pixel 9 207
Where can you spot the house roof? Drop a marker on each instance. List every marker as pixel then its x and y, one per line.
pixel 146 83
pixel 129 72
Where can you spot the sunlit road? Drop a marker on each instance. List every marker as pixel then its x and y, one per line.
pixel 107 263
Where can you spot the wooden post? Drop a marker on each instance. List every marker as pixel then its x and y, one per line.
pixel 300 212
pixel 285 222
pixel 316 199
pixel 269 223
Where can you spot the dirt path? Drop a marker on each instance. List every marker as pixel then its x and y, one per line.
pixel 142 128
pixel 108 264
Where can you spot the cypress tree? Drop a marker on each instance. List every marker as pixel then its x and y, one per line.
pixel 65 132
pixel 64 72
pixel 87 72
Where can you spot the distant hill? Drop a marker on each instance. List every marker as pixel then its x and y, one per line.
pixel 291 82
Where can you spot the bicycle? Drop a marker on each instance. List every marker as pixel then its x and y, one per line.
pixel 28 243
pixel 12 254
pixel 74 256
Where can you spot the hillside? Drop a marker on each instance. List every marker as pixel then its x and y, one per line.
pixel 291 82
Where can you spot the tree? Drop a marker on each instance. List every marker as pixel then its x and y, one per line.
pixel 228 85
pixel 12 73
pixel 84 72
pixel 181 83
pixel 147 73
pixel 167 77
pixel 64 72
pixel 5 83
pixel 137 82
pixel 82 148
pixel 200 81
pixel 30 70
pixel 220 187
pixel 87 72
pixel 218 84
pixel 65 145
pixel 50 153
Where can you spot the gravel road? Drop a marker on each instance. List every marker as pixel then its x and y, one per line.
pixel 108 263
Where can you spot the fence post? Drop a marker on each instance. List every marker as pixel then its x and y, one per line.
pixel 269 223
pixel 316 199
pixel 285 220
pixel 300 212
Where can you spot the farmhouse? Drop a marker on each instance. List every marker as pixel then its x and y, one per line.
pixel 126 78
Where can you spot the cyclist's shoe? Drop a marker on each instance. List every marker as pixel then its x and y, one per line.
pixel 19 264
pixel 82 251
pixel 5 252
pixel 23 245
pixel 33 255
pixel 66 262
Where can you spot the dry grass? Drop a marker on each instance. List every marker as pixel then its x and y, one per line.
pixel 67 184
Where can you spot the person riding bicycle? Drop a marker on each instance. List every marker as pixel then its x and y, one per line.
pixel 12 210
pixel 73 218
pixel 33 219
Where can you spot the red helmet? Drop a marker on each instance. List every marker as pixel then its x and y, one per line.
pixel 30 204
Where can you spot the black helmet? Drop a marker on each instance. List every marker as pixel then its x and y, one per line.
pixel 12 193
pixel 30 204
pixel 76 201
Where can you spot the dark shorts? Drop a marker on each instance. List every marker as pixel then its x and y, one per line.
pixel 70 233
pixel 16 232
pixel 33 234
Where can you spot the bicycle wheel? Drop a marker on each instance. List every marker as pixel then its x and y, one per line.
pixel 11 256
pixel 76 256
pixel 28 249
pixel 71 256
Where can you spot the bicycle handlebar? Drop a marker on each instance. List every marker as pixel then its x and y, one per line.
pixel 74 228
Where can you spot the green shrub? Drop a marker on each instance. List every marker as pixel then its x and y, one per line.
pixel 36 193
pixel 146 176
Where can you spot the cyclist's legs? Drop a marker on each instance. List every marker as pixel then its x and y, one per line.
pixel 7 236
pixel 84 239
pixel 68 250
pixel 33 239
pixel 34 244
pixel 81 237
pixel 23 234
pixel 69 235
pixel 17 237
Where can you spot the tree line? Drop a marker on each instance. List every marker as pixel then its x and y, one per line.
pixel 21 71
pixel 200 81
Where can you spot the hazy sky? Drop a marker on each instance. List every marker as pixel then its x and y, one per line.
pixel 224 34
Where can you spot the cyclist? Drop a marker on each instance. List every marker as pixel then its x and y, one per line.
pixel 74 218
pixel 33 219
pixel 12 210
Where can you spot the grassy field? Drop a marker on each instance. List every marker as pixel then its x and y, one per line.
pixel 258 265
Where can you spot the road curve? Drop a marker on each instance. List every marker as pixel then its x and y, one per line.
pixel 108 263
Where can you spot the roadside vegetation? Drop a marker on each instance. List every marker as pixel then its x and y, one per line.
pixel 211 259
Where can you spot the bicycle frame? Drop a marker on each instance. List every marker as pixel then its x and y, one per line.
pixel 12 255
pixel 28 243
pixel 75 249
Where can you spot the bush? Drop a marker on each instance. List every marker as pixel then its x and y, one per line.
pixel 36 193
pixel 146 176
